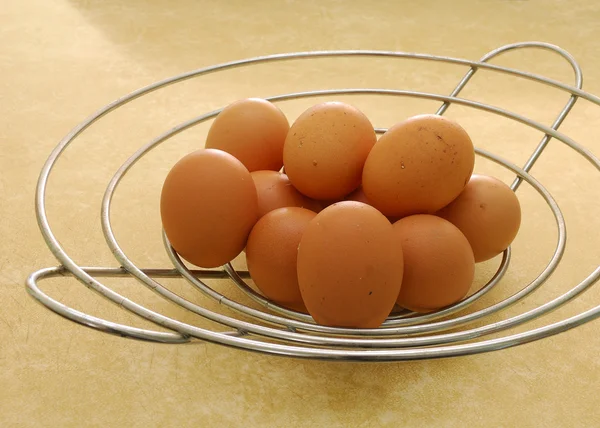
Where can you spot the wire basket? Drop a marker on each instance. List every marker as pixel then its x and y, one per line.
pixel 275 330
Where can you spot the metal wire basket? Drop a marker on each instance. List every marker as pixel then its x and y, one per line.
pixel 276 330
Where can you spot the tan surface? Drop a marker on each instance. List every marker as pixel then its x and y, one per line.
pixel 60 60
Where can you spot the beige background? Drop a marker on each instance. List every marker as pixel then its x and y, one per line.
pixel 60 60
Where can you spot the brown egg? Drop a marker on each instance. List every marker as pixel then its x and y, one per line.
pixel 350 266
pixel 275 190
pixel 208 206
pixel 438 262
pixel 418 166
pixel 488 213
pixel 359 196
pixel 328 202
pixel 253 130
pixel 326 148
pixel 272 253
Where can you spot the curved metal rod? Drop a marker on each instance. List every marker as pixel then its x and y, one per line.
pixel 104 218
pixel 380 344
pixel 100 324
pixel 514 46
pixel 379 355
pixel 561 116
pixel 287 350
pixel 409 317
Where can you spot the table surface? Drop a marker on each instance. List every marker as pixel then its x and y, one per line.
pixel 61 60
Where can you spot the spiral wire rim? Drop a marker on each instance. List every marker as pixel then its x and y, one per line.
pixel 403 336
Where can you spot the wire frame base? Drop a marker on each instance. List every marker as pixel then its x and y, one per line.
pixel 279 331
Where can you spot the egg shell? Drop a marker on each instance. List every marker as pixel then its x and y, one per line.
pixel 253 130
pixel 418 166
pixel 208 206
pixel 275 190
pixel 488 213
pixel 328 202
pixel 359 196
pixel 350 266
pixel 438 262
pixel 272 253
pixel 326 148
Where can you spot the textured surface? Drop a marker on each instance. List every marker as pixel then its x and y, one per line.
pixel 62 59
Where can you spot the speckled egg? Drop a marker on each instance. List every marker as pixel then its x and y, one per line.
pixel 326 148
pixel 350 266
pixel 418 166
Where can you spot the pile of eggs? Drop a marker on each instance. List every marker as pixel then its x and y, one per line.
pixel 352 225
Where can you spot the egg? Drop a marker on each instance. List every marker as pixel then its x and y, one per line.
pixel 359 196
pixel 253 130
pixel 272 253
pixel 326 148
pixel 439 266
pixel 275 190
pixel 418 166
pixel 488 213
pixel 328 202
pixel 208 206
pixel 350 266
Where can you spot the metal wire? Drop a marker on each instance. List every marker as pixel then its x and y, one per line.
pixel 280 331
